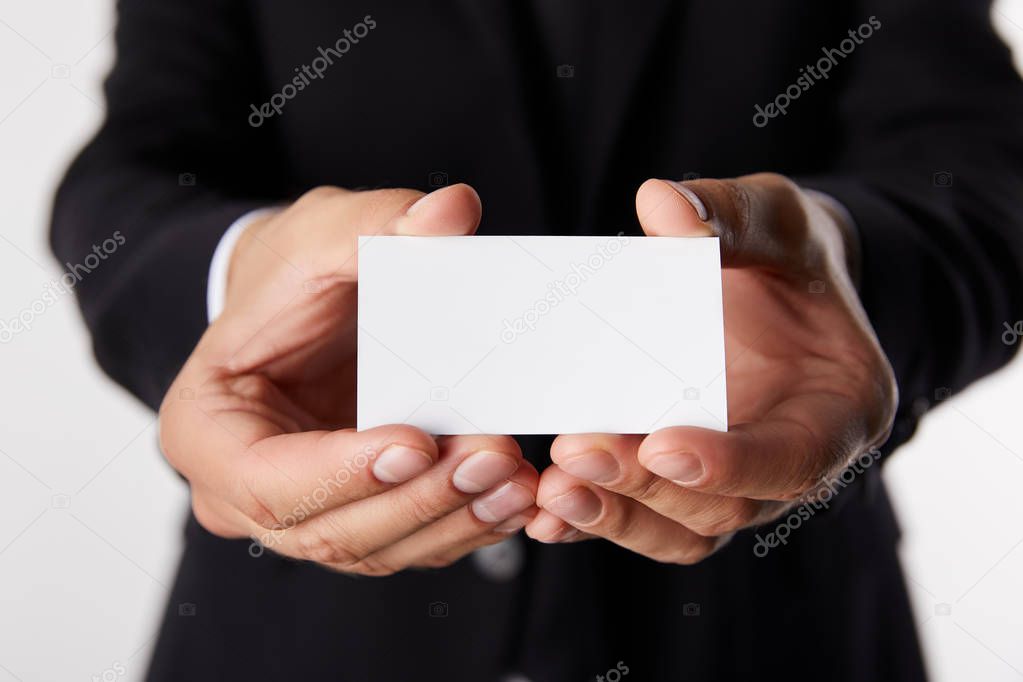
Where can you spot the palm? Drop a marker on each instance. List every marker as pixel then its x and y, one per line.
pixel 317 374
pixel 788 347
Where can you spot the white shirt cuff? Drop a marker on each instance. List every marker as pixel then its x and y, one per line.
pixel 216 281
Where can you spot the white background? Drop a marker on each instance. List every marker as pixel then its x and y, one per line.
pixel 83 578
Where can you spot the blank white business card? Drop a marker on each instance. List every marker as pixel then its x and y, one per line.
pixel 540 335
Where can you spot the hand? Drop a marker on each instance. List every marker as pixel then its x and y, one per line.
pixel 809 387
pixel 260 418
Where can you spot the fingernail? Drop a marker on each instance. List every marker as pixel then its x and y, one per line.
pixel 692 197
pixel 399 463
pixel 683 468
pixel 597 466
pixel 514 524
pixel 576 506
pixel 483 470
pixel 502 504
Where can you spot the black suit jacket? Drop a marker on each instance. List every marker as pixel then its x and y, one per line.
pixel 918 132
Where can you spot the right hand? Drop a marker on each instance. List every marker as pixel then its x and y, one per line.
pixel 260 418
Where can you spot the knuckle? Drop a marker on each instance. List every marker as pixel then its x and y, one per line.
pixel 776 182
pixel 213 522
pixel 741 203
pixel 812 458
pixel 619 523
pixel 259 513
pixel 645 487
pixel 811 470
pixel 371 567
pixel 254 505
pixel 779 204
pixel 314 220
pixel 424 508
pixel 318 196
pixel 315 546
pixel 730 515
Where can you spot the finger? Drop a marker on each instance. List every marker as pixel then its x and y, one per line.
pixel 454 210
pixel 762 220
pixel 451 211
pixel 619 519
pixel 298 476
pixel 611 461
pixel 490 518
pixel 548 528
pixel 231 436
pixel 336 225
pixel 468 466
pixel 781 457
pixel 453 553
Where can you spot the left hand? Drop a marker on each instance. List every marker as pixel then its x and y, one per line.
pixel 809 388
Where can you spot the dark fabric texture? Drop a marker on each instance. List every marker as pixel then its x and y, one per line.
pixel 918 132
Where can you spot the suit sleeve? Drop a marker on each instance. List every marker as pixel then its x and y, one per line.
pixel 173 165
pixel 931 170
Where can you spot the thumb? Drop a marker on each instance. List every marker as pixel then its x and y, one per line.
pixel 670 209
pixel 761 220
pixel 453 210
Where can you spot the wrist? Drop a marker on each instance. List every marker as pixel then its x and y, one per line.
pixel 225 257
